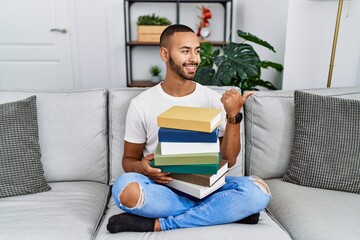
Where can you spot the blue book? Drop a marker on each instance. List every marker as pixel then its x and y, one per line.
pixel 178 135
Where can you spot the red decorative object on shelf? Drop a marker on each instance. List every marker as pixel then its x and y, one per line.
pixel 204 26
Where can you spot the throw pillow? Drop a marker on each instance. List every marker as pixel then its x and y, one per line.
pixel 326 147
pixel 21 170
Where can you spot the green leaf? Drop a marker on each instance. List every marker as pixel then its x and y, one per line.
pixel 237 64
pixel 207 54
pixel 216 52
pixel 246 61
pixel 252 38
pixel 266 64
pixel 206 48
pixel 267 84
pixel 152 20
pixel 206 76
pixel 225 72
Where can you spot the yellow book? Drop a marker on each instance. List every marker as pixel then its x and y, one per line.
pixel 190 118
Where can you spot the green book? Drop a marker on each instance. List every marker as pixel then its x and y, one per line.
pixel 189 169
pixel 185 159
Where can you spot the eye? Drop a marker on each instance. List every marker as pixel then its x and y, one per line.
pixel 185 51
pixel 197 51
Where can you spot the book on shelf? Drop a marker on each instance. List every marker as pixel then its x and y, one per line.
pixel 195 190
pixel 179 135
pixel 186 159
pixel 171 148
pixel 206 180
pixel 190 118
pixel 189 169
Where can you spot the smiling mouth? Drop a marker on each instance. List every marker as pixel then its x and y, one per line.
pixel 190 67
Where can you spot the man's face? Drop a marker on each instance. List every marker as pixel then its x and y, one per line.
pixel 184 54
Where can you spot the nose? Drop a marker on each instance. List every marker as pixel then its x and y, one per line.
pixel 194 57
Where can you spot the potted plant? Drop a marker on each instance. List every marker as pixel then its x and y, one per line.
pixel 155 71
pixel 150 27
pixel 238 64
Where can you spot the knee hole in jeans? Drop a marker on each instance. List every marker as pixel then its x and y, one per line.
pixel 261 184
pixel 131 196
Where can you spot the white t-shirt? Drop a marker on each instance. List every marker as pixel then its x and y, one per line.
pixel 141 119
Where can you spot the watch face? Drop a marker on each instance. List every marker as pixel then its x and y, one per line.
pixel 239 117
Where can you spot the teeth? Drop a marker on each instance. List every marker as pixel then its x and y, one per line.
pixel 191 66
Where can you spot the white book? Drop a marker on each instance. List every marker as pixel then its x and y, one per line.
pixel 172 148
pixel 194 189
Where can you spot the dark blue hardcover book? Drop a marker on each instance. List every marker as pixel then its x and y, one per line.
pixel 178 135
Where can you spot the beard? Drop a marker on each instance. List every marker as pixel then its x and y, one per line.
pixel 179 70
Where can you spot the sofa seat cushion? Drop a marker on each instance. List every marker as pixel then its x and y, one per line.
pixel 312 213
pixel 266 227
pixel 71 210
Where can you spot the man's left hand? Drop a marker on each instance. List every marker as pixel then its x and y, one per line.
pixel 233 101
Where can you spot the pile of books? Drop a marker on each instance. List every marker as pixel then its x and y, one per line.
pixel 189 149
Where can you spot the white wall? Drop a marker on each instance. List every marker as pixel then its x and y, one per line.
pixel 309 42
pixel 267 20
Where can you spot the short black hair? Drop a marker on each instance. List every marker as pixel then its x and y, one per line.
pixel 169 32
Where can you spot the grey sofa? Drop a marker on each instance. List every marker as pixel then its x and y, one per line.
pixel 81 140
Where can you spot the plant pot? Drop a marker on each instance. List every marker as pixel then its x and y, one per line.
pixel 156 79
pixel 150 33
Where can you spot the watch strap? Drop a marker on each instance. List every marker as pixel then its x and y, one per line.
pixel 236 119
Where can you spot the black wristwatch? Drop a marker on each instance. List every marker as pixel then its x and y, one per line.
pixel 236 119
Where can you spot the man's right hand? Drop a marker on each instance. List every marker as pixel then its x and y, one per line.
pixel 154 173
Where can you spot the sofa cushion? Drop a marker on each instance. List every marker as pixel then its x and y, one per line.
pixel 266 227
pixel 71 210
pixel 326 147
pixel 20 157
pixel 72 132
pixel 313 213
pixel 119 100
pixel 269 126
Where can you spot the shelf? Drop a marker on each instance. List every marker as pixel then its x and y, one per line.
pixel 136 43
pixel 143 83
pixel 132 46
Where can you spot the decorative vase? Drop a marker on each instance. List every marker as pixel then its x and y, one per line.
pixel 156 79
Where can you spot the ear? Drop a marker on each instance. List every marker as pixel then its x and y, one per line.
pixel 164 54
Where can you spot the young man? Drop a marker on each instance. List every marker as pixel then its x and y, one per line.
pixel 150 206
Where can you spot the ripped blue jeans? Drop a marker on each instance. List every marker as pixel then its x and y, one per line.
pixel 237 199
